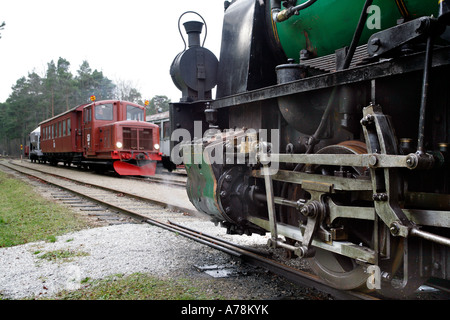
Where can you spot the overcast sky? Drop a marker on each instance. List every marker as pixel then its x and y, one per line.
pixel 132 40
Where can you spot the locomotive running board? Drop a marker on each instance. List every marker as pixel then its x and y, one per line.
pixel 127 169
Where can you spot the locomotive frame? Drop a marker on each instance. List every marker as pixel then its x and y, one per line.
pixel 103 135
pixel 352 192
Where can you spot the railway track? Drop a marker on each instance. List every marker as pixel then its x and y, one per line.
pixel 109 204
pixel 162 179
pixel 76 185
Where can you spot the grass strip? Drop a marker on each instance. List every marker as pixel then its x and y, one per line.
pixel 25 216
pixel 138 286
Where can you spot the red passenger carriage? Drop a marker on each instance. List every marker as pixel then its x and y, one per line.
pixel 102 135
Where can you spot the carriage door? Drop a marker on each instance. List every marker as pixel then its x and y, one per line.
pixel 87 132
pixel 78 132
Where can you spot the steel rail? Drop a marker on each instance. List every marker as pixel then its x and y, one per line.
pixel 297 276
pixel 131 195
pixel 171 182
pixel 250 256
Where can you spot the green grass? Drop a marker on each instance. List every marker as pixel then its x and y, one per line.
pixel 138 286
pixel 61 255
pixel 26 217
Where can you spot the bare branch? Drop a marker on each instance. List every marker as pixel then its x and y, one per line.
pixel 2 26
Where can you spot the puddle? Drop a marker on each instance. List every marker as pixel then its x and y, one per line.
pixel 227 270
pixel 218 271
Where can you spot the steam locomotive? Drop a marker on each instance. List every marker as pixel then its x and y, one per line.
pixel 330 130
pixel 102 135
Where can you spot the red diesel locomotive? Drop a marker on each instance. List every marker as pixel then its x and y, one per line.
pixel 103 135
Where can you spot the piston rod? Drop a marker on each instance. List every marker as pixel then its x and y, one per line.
pixel 430 236
pixel 424 98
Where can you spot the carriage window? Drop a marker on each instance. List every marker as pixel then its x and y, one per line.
pixel 166 127
pixel 104 112
pixel 68 127
pixel 160 129
pixel 64 128
pixel 135 113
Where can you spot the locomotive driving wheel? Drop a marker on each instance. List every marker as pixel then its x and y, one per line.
pixel 340 271
pixel 347 273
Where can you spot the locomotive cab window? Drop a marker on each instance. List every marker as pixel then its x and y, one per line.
pixel 87 115
pixel 135 113
pixel 104 112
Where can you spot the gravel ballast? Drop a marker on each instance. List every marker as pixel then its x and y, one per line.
pixel 123 249
pixel 120 249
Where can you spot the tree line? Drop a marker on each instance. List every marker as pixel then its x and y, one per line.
pixel 35 98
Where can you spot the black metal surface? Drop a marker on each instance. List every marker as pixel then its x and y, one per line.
pixel 424 98
pixel 194 71
pixel 290 72
pixel 357 35
pixel 390 41
pixel 378 70
pixel 183 116
pixel 245 64
pixel 444 11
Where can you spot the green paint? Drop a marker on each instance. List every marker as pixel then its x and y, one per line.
pixel 328 25
pixel 201 183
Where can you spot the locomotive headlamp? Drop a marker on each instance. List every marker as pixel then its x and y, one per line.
pixel 156 146
pixel 119 144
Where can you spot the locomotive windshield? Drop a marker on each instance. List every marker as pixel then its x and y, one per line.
pixel 104 112
pixel 135 113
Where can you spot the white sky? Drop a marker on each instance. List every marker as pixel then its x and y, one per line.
pixel 131 40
